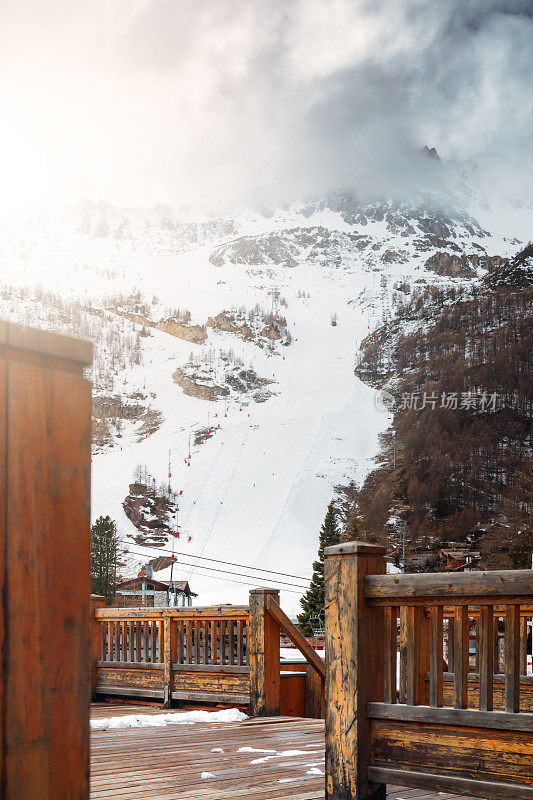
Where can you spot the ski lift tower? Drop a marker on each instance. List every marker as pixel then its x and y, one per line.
pixel 275 294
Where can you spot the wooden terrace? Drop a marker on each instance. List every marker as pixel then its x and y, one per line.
pixel 425 684
pixel 167 763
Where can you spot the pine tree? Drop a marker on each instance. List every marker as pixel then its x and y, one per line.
pixel 351 532
pixel 104 556
pixel 313 601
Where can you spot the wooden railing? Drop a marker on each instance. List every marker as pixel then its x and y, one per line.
pixel 196 654
pixel 222 654
pixel 419 728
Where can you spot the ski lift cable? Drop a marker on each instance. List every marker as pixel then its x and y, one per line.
pixel 229 572
pixel 219 508
pixel 208 475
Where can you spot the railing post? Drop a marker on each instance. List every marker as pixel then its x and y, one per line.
pixel 354 669
pixel 97 601
pixel 169 655
pixel 264 656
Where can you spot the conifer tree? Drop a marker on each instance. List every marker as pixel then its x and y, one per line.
pixel 313 601
pixel 104 556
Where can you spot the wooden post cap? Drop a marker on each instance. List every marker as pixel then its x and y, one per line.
pixel 355 548
pixel 264 590
pixel 45 343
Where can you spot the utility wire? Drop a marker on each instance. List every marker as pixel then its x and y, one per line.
pixel 231 564
pixel 229 572
pixel 253 582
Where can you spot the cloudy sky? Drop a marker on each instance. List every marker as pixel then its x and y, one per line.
pixel 141 101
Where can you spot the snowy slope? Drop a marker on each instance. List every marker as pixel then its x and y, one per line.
pixel 256 491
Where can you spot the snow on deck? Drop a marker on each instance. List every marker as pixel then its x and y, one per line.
pixel 277 758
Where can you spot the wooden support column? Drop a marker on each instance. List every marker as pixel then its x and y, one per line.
pixel 169 657
pixel 264 655
pixel 45 665
pixel 97 601
pixel 314 694
pixel 354 669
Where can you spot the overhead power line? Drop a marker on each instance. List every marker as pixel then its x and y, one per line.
pixel 233 564
pixel 254 582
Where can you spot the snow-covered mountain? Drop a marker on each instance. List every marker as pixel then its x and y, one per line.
pixel 228 344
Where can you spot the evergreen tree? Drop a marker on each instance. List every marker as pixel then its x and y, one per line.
pixel 313 601
pixel 351 532
pixel 104 556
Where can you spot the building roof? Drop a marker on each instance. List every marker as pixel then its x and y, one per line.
pixel 136 583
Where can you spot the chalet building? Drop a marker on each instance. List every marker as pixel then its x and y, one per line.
pixel 459 559
pixel 145 590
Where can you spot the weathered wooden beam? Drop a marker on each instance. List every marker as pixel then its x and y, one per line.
pixel 462 717
pixel 169 656
pixel 354 669
pixel 488 790
pixel 97 601
pixel 443 587
pixel 263 653
pixel 295 636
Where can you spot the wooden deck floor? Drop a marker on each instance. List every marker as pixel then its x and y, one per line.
pixel 167 762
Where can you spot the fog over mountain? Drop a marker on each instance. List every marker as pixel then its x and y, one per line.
pixel 224 102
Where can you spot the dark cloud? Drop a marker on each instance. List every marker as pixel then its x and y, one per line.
pixel 222 99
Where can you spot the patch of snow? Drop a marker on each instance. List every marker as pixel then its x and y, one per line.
pixel 175 718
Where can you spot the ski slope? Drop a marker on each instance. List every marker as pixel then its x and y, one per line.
pixel 256 492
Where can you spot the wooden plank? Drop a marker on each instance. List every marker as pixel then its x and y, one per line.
pixel 146 641
pixel 489 790
pixel 223 625
pixel 198 612
pixel 239 642
pixel 188 638
pixel 512 659
pixel 153 641
pixel 138 640
pixel 476 753
pixel 436 668
pixel 231 641
pixel 214 641
pixel 295 636
pixel 206 642
pixel 120 665
pixel 486 659
pixel 180 628
pixel 131 639
pixel 443 587
pixel 228 668
pixel 460 667
pixel 391 651
pixel 463 717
